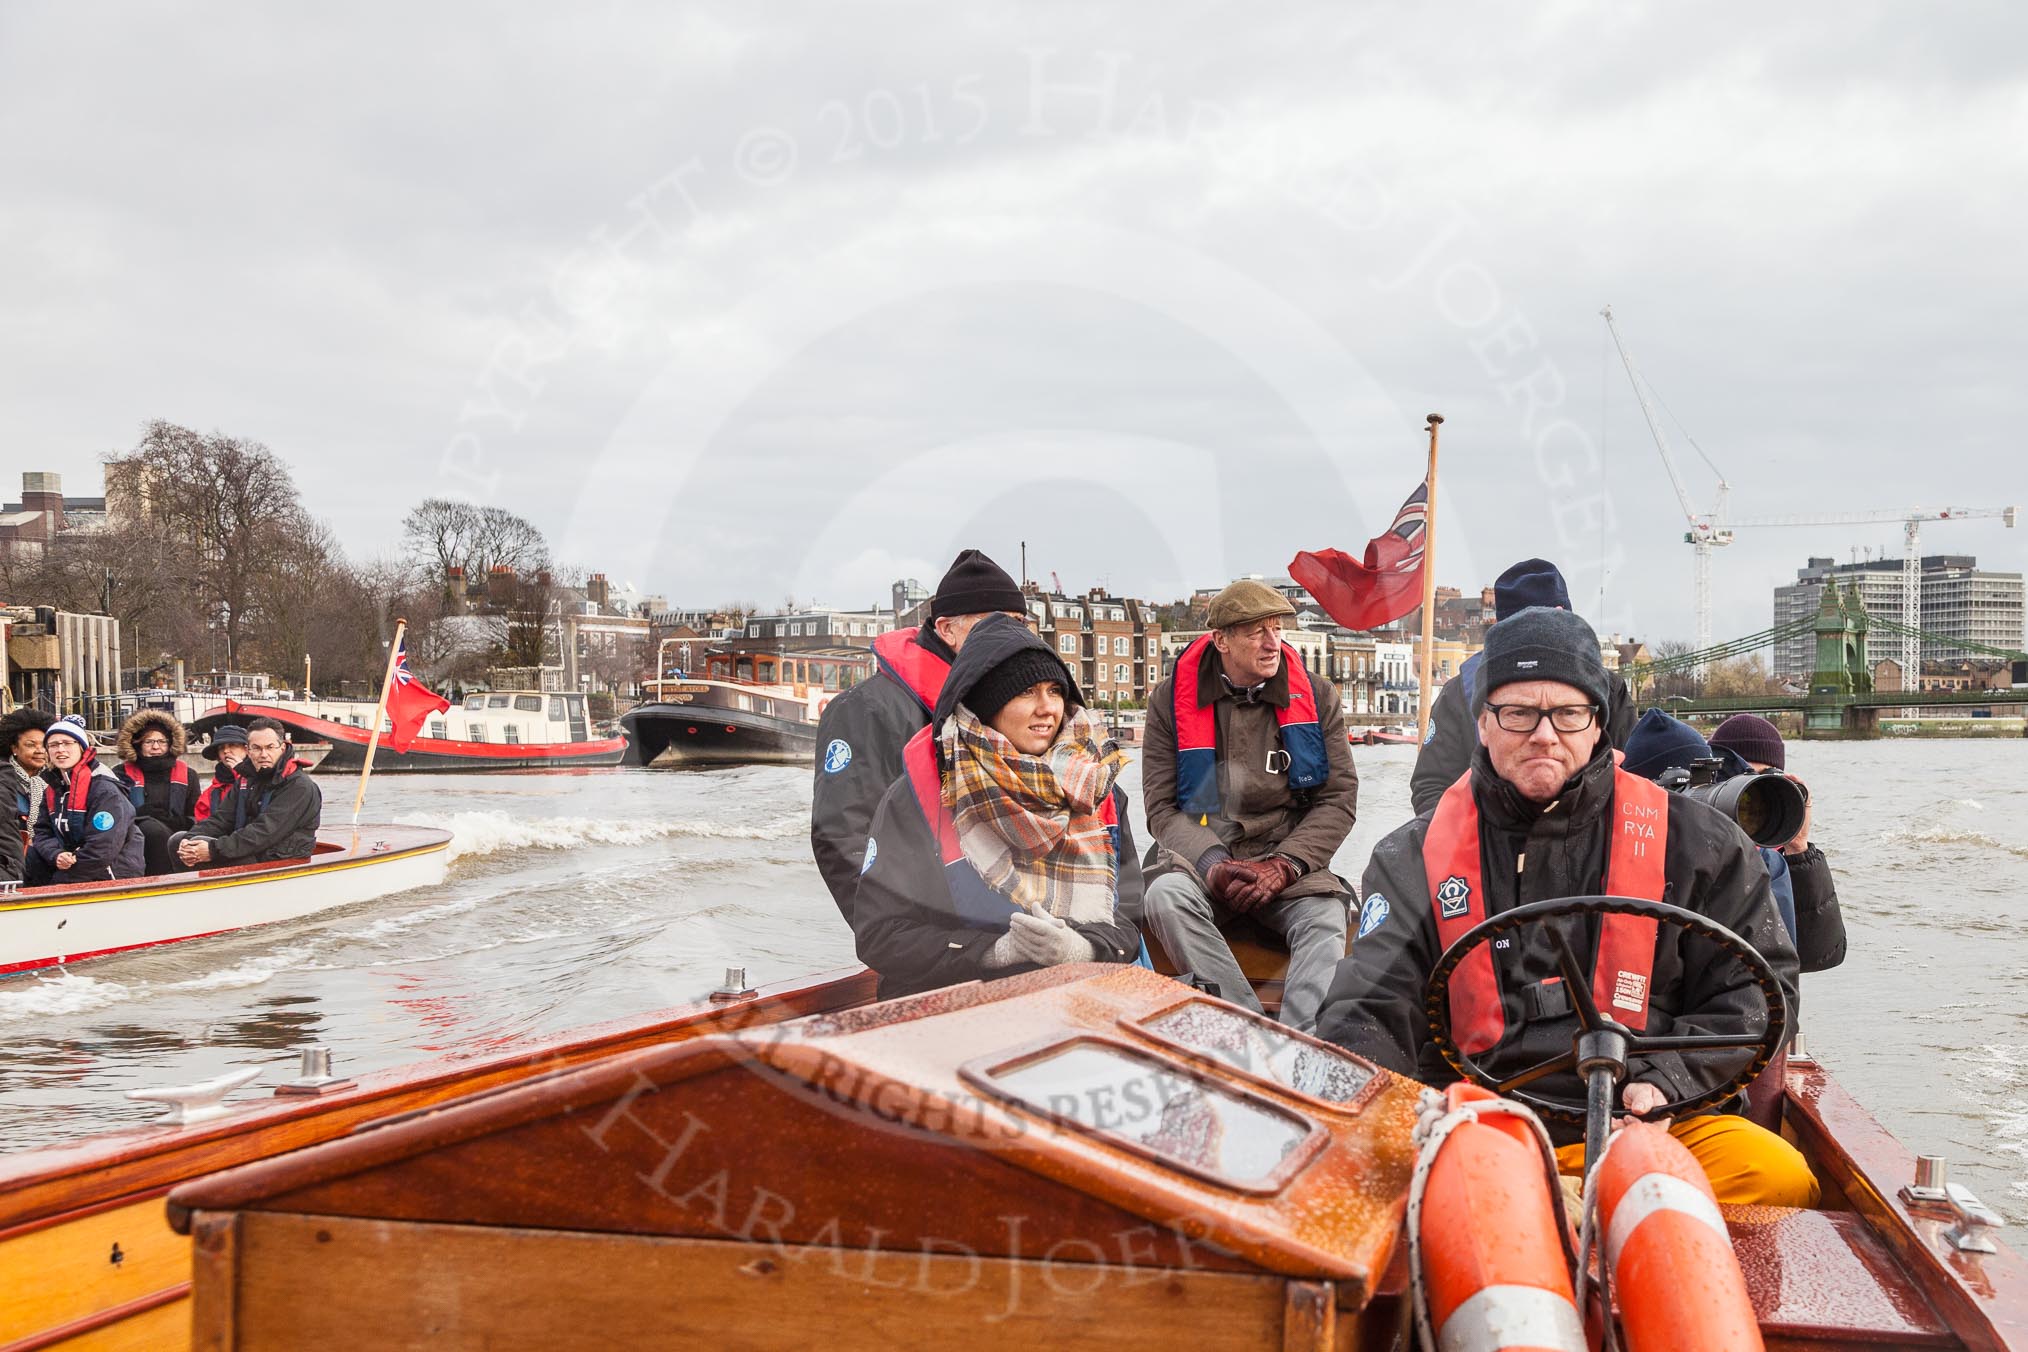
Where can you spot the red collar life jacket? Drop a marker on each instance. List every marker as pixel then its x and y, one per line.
pixel 1197 732
pixel 975 901
pixel 913 667
pixel 80 786
pixel 179 785
pixel 1638 847
pixel 240 815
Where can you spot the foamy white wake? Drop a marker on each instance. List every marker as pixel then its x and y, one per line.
pixel 42 997
pixel 477 834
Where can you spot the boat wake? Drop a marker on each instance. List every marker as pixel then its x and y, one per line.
pixel 475 835
pixel 36 996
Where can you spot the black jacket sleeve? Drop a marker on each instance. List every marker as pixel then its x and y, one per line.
pixel 294 809
pixel 908 944
pixel 1820 925
pixel 1374 1006
pixel 1620 713
pixel 12 853
pixel 1453 737
pixel 872 721
pixel 1119 940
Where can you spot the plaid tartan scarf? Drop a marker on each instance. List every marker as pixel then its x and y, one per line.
pixel 1030 824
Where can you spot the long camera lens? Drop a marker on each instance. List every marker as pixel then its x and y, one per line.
pixel 1767 806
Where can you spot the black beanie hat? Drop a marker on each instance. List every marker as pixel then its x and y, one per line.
pixel 1542 644
pixel 973 585
pixel 1024 667
pixel 1531 582
pixel 1753 738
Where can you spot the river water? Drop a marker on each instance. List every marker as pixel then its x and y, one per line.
pixel 600 894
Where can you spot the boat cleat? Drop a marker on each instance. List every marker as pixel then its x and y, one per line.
pixel 734 987
pixel 316 1077
pixel 1933 1194
pixel 192 1103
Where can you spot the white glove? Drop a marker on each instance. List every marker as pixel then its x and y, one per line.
pixel 1004 952
pixel 1046 940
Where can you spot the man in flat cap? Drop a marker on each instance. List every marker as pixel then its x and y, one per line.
pixel 862 732
pixel 1250 791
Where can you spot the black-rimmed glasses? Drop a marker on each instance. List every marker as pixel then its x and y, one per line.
pixel 1528 717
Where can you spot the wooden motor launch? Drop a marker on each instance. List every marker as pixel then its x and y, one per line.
pixel 982 1162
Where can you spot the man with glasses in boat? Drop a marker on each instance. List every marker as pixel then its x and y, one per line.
pixel 862 731
pixel 1250 792
pixel 1532 820
pixel 270 813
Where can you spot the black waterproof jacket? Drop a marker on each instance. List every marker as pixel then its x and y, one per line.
pixel 859 742
pixel 1820 925
pixel 1528 854
pixel 1454 735
pixel 265 816
pixel 902 918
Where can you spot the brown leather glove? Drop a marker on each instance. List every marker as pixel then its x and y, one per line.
pixel 1225 875
pixel 1270 876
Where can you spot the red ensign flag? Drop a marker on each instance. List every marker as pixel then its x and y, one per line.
pixel 409 703
pixel 1386 587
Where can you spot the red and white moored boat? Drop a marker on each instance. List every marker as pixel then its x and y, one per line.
pixel 490 730
pixel 52 926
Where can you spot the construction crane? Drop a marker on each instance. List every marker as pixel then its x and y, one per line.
pixel 1707 530
pixel 1056 582
pixel 1911 520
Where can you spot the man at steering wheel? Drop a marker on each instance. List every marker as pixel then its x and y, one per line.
pixel 1545 813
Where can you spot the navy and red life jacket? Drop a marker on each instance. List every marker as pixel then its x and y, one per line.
pixel 69 812
pixel 1197 732
pixel 913 667
pixel 179 786
pixel 214 794
pixel 1636 853
pixel 975 900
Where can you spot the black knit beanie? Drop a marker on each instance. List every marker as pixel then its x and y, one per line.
pixel 1024 667
pixel 973 585
pixel 1542 644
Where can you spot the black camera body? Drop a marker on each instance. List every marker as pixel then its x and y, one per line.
pixel 1765 804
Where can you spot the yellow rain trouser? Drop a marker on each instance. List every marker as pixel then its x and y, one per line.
pixel 1746 1163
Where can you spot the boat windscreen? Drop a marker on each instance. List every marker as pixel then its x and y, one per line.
pixel 1261 1050
pixel 1175 1115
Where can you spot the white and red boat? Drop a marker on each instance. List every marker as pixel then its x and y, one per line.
pixel 52 926
pixel 490 730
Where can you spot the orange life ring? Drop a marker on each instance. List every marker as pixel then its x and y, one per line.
pixel 1673 1267
pixel 1489 1251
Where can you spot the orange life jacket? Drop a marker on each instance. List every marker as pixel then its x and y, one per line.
pixel 1621 976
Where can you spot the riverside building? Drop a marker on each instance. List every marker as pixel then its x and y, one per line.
pixel 1960 600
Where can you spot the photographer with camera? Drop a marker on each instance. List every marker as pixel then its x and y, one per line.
pixel 1820 926
pixel 1769 807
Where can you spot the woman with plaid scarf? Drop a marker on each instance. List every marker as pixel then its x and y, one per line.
pixel 1003 846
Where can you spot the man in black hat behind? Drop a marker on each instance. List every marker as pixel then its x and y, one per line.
pixel 1452 738
pixel 862 731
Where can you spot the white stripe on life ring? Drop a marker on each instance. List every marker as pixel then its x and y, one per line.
pixel 1659 1192
pixel 1513 1316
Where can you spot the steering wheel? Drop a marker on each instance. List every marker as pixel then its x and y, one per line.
pixel 1598 1031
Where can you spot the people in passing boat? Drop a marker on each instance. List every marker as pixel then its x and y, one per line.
pixel 861 732
pixel 158 783
pixel 1820 924
pixel 228 748
pixel 1453 735
pixel 85 832
pixel 1806 900
pixel 1538 818
pixel 23 762
pixel 271 811
pixel 1003 845
pixel 1250 792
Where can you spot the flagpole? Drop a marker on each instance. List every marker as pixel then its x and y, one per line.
pixel 379 713
pixel 1428 586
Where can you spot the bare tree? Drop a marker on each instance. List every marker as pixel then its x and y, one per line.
pixel 442 534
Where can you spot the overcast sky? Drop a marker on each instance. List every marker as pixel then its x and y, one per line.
pixel 740 302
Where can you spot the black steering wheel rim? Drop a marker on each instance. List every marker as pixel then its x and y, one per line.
pixel 1766 1044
